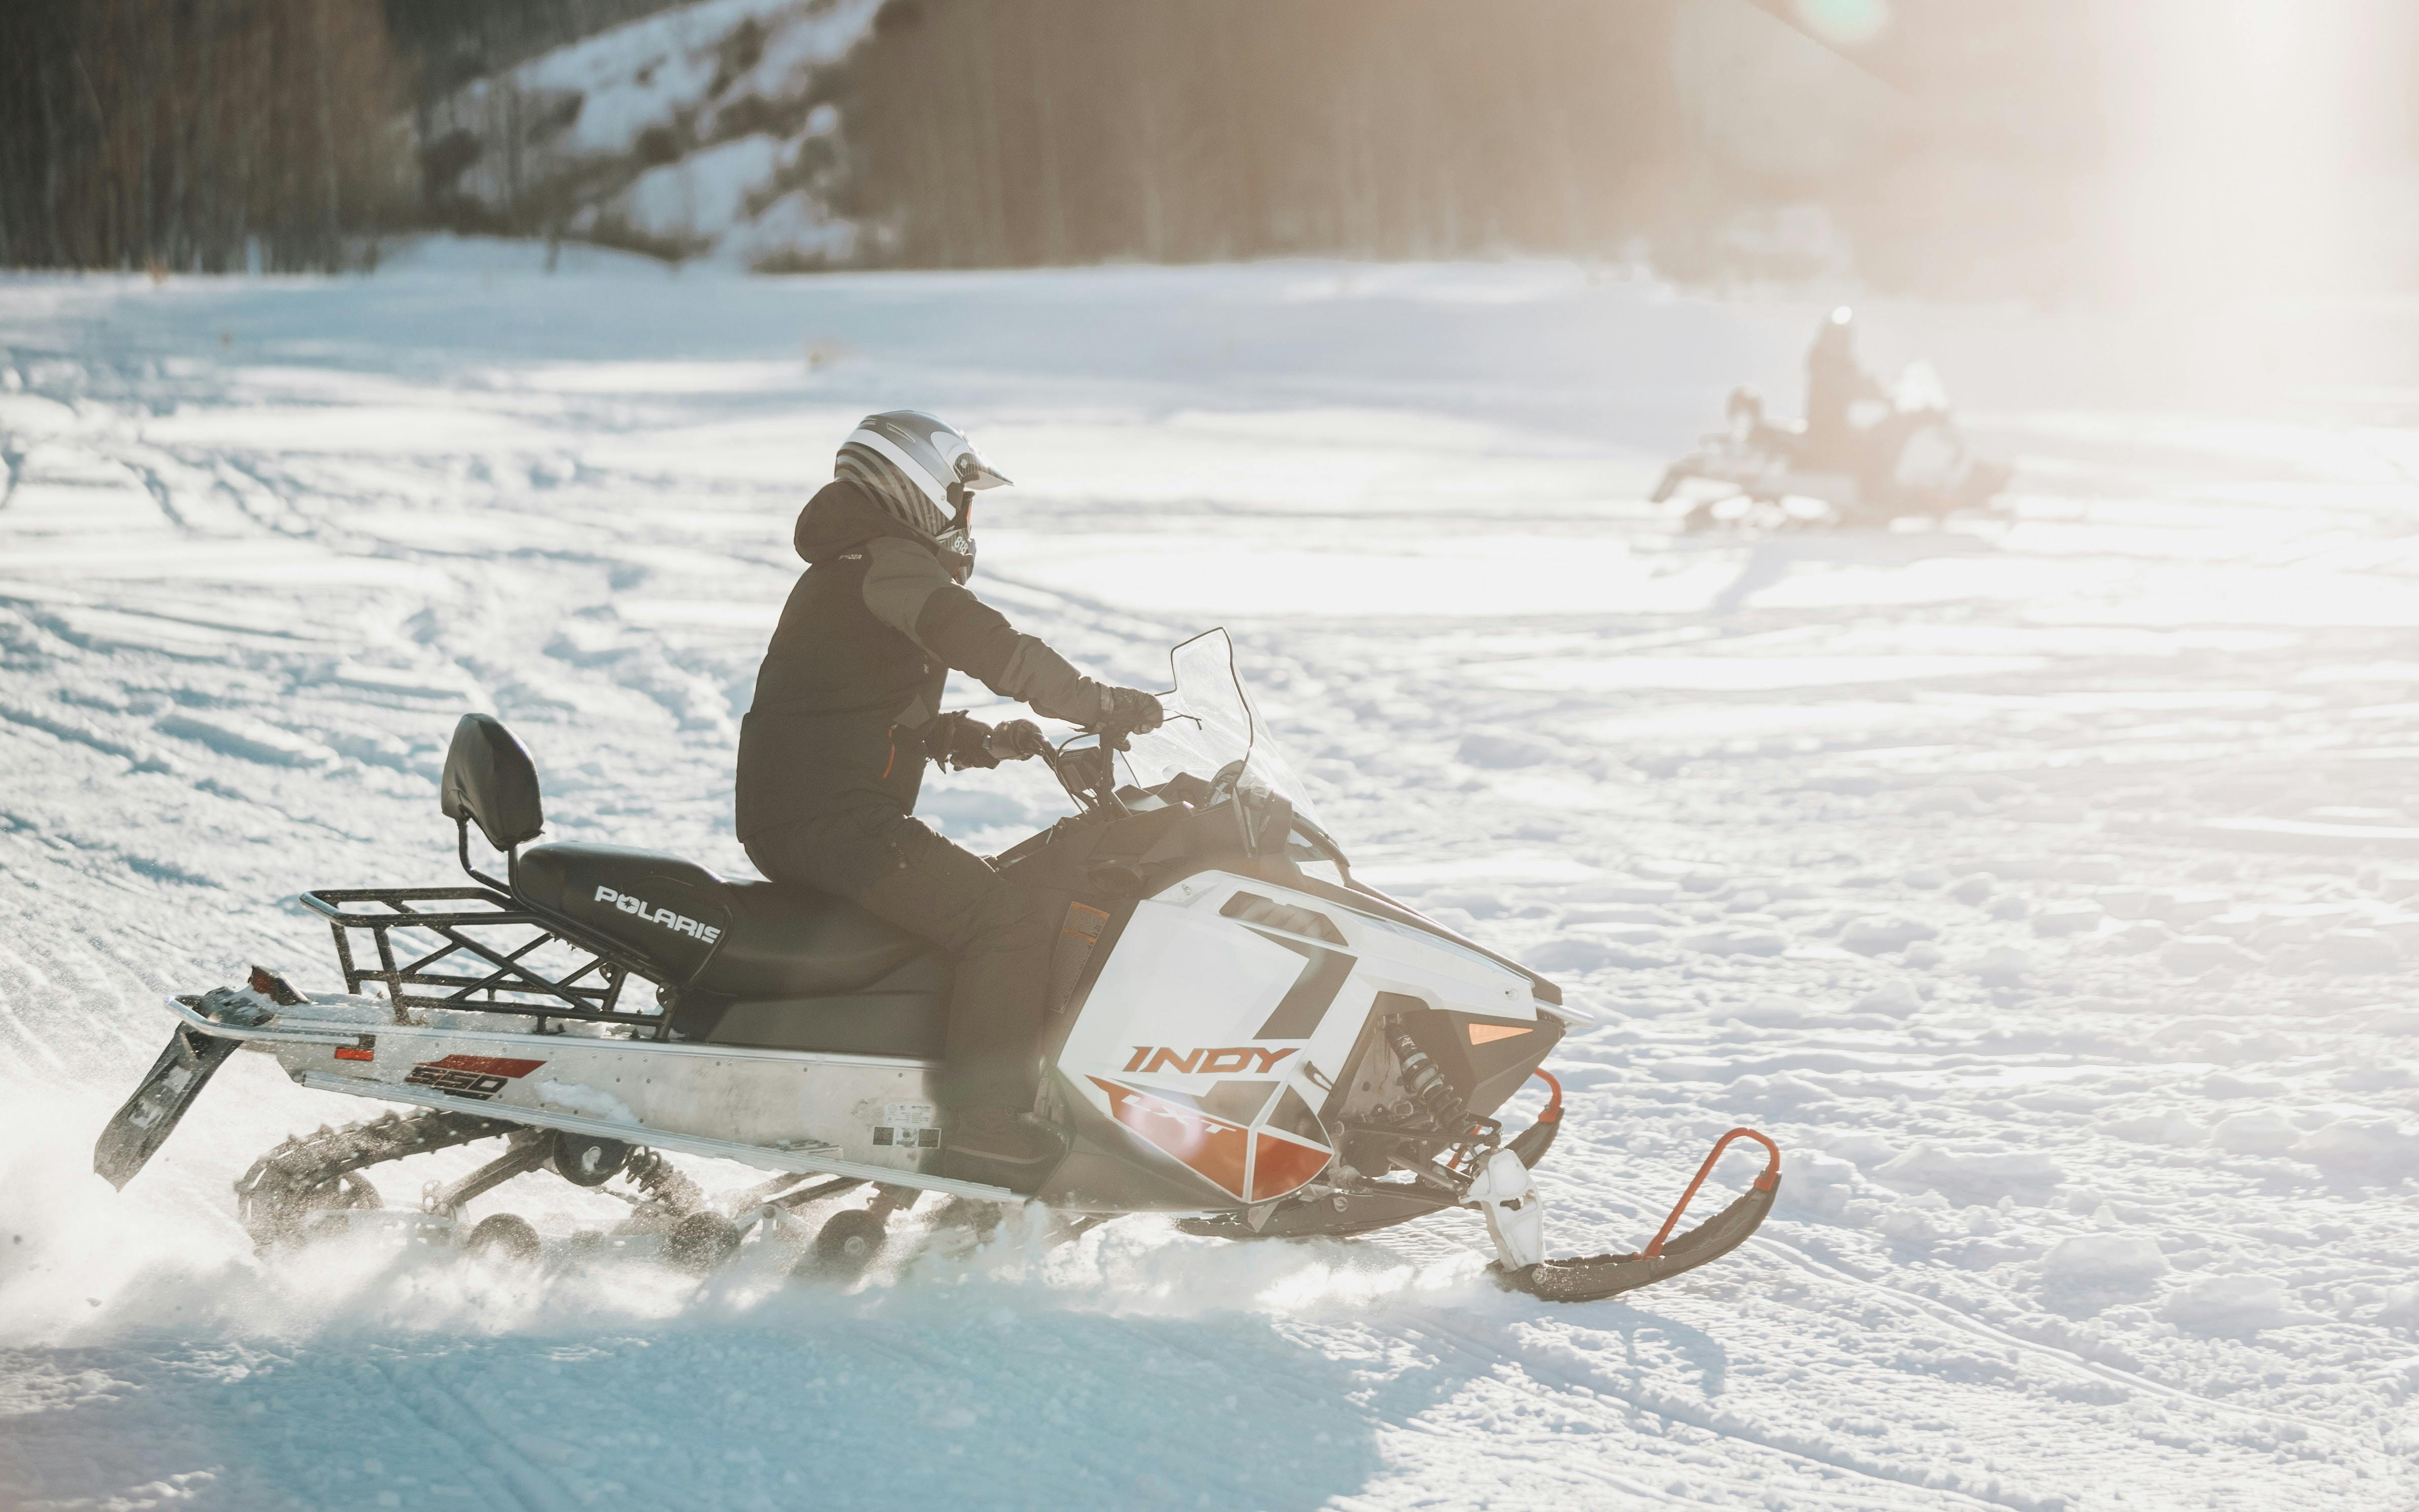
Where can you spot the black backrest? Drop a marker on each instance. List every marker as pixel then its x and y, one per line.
pixel 488 780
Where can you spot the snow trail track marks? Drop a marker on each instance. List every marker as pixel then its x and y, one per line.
pixel 2042 878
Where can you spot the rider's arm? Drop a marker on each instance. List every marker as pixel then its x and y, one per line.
pixel 906 589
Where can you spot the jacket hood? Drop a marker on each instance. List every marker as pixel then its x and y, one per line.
pixel 843 515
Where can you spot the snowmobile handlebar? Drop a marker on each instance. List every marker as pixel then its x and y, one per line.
pixel 1089 773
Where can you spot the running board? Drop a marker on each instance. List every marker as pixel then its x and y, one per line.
pixel 763 1157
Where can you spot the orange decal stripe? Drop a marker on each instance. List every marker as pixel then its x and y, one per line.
pixel 1489 1033
pixel 1280 1164
pixel 1212 1147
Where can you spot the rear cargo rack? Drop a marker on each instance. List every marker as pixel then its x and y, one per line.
pixel 488 955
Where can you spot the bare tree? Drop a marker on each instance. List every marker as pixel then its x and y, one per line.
pixel 171 133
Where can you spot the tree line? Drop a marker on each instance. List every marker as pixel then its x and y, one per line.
pixel 214 134
pixel 1015 131
pixel 198 135
pixel 210 135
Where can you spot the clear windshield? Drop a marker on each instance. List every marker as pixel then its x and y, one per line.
pixel 1215 732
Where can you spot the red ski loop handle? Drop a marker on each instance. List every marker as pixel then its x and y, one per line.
pixel 1553 1113
pixel 1764 1183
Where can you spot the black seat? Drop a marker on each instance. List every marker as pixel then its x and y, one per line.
pixel 755 963
pixel 750 963
pixel 795 942
pixel 739 939
pixel 669 913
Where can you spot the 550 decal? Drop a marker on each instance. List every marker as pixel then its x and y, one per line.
pixel 472 1076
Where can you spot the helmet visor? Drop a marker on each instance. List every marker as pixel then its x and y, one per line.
pixel 931 452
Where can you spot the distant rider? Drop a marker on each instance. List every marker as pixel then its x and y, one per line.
pixel 848 710
pixel 1834 384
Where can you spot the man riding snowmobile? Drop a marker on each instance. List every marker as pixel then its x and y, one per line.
pixel 1178 1000
pixel 847 712
pixel 1865 454
pixel 1836 382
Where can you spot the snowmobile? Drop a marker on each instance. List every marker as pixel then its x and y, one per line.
pixel 1239 1033
pixel 1902 459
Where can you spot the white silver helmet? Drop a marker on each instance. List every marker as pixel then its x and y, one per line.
pixel 924 471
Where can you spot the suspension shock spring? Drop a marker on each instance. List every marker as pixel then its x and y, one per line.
pixel 1425 1083
pixel 663 1182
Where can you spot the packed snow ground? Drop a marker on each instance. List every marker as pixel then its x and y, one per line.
pixel 2038 882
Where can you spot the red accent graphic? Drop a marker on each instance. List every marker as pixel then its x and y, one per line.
pixel 355 1052
pixel 1212 1147
pixel 487 1065
pixel 1282 1165
pixel 1215 1147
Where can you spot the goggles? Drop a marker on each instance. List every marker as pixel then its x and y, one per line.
pixel 957 543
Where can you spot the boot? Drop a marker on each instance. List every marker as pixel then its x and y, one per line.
pixel 1001 1146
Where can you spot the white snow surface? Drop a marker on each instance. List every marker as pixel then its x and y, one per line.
pixel 2039 883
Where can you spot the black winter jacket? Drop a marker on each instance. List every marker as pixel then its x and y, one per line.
pixel 857 667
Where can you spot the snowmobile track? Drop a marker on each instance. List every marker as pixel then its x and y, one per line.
pixel 1836 1458
pixel 524 1485
pixel 1975 1327
pixel 2108 1374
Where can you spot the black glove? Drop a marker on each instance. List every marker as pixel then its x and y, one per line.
pixel 1130 708
pixel 956 741
pixel 1016 740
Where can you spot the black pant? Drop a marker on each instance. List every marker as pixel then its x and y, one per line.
pixel 900 871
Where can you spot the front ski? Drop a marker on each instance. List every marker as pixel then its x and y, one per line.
pixel 1609 1276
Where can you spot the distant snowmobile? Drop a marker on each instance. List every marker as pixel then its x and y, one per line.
pixel 1240 1034
pixel 1900 459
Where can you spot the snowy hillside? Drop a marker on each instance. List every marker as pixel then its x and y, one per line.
pixel 691 132
pixel 2044 885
